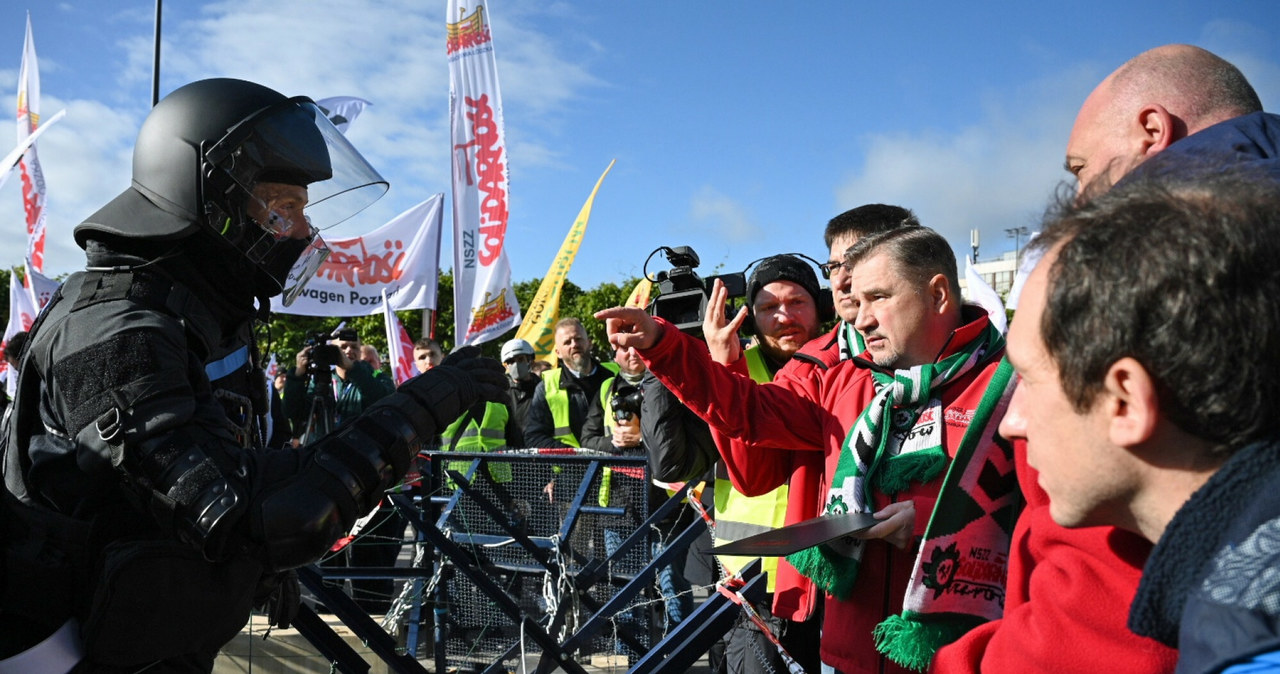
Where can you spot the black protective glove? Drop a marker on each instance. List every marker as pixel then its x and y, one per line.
pixel 282 601
pixel 454 385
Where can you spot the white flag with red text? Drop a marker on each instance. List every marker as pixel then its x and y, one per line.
pixel 399 346
pixel 342 110
pixel 401 257
pixel 33 197
pixel 22 313
pixel 485 304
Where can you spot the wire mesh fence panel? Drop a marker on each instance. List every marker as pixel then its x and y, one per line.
pixel 551 530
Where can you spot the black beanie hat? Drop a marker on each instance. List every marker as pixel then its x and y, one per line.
pixel 782 268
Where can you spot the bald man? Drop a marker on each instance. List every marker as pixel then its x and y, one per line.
pixel 1175 97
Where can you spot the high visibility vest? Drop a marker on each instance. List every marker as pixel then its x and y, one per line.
pixel 487 433
pixel 739 516
pixel 558 403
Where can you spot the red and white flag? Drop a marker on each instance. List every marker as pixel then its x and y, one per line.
pixel 485 304
pixel 401 257
pixel 22 313
pixel 33 197
pixel 399 346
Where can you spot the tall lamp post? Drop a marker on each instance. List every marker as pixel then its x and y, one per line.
pixel 1016 233
pixel 973 243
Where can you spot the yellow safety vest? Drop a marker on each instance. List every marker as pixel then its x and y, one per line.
pixel 739 516
pixel 558 403
pixel 490 432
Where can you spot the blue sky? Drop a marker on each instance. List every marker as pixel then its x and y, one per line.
pixel 739 128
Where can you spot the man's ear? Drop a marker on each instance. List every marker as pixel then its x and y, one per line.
pixel 941 294
pixel 1131 403
pixel 1158 128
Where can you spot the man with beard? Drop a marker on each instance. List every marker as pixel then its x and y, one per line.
pixel 919 404
pixel 563 397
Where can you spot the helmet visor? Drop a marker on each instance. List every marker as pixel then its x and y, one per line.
pixel 294 143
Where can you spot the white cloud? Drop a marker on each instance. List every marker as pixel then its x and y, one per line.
pixel 726 218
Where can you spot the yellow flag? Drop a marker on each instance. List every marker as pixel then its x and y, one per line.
pixel 640 294
pixel 544 311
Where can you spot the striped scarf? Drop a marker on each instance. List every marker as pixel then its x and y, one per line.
pixel 887 450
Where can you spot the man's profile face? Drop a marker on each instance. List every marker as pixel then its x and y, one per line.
pixel 845 307
pixel 895 314
pixel 573 347
pixel 1078 468
pixel 786 318
pixel 425 359
pixel 277 208
pixel 1101 149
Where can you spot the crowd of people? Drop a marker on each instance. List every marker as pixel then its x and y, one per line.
pixel 1086 493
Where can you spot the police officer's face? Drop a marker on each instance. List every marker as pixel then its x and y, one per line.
pixel 277 208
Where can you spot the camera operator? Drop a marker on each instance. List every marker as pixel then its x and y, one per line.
pixel 308 390
pixel 355 386
pixel 613 420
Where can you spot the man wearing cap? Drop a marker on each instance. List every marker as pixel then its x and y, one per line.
pixel 517 358
pixel 783 302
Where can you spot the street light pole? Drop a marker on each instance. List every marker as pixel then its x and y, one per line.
pixel 1016 233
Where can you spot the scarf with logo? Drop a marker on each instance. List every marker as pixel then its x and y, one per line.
pixel 897 440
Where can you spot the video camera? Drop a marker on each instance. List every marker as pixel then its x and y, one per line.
pixel 683 295
pixel 323 354
pixel 626 402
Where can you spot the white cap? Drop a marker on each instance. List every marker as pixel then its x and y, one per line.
pixel 515 347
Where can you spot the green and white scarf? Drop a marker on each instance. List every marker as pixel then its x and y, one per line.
pixel 886 451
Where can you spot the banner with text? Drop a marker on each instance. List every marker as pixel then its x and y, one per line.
pixel 544 311
pixel 401 257
pixel 485 304
pixel 33 198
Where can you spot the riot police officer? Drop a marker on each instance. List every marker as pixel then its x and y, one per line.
pixel 142 518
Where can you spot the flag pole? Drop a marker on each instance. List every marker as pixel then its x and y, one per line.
pixel 155 66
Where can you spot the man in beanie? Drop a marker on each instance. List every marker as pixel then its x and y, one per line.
pixel 784 302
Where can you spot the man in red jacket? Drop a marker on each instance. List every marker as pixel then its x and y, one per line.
pixel 920 417
pixel 795 597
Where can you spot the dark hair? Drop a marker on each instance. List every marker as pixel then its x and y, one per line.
pixel 869 219
pixel 13 347
pixel 1178 272
pixel 427 343
pixel 918 253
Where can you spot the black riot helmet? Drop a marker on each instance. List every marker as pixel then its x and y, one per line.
pixel 211 159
